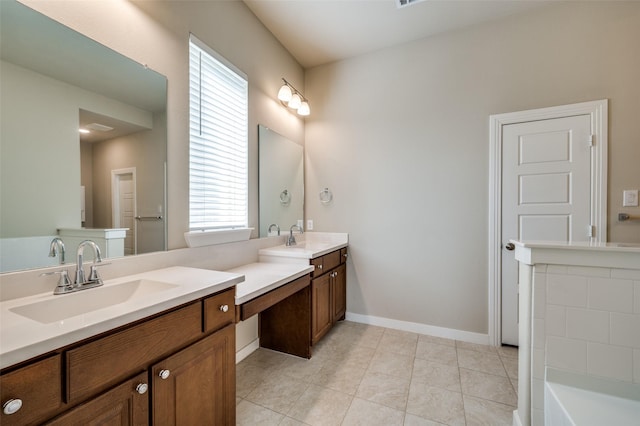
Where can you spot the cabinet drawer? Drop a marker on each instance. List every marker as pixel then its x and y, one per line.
pixel 219 310
pixel 105 362
pixel 38 386
pixel 325 263
pixel 343 255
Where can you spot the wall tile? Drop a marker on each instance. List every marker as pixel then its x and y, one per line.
pixel 538 333
pixel 636 297
pixel 613 362
pixel 568 290
pixel 636 365
pixel 588 271
pixel 630 274
pixel 588 324
pixel 567 354
pixel 555 320
pixel 541 267
pixel 537 393
pixel 610 294
pixel 625 330
pixel 537 367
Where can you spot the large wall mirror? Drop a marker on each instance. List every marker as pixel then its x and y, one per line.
pixel 281 171
pixel 55 81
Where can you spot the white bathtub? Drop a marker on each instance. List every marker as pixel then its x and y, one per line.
pixel 567 405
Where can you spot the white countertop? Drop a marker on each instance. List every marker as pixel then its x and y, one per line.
pixel 310 245
pixel 612 255
pixel 22 338
pixel 260 278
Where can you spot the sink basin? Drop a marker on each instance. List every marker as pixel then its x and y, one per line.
pixel 70 305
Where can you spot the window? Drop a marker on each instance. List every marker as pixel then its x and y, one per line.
pixel 218 141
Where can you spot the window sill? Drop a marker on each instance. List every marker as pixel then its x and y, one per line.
pixel 218 236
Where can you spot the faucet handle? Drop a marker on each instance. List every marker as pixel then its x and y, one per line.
pixel 93 273
pixel 63 282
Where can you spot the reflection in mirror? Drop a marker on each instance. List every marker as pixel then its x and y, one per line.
pixel 281 182
pixel 54 182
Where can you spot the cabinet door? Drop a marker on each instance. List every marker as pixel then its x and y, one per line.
pixel 126 404
pixel 321 319
pixel 197 386
pixel 339 291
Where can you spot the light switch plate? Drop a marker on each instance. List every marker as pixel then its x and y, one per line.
pixel 309 224
pixel 630 198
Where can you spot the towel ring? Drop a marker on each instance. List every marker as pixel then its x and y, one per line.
pixel 326 196
pixel 285 197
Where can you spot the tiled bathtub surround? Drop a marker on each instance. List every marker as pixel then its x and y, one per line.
pixel 362 374
pixel 585 320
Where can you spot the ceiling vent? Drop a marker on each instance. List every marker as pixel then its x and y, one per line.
pixel 404 3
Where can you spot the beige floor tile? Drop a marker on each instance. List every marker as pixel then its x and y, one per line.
pixel 475 347
pixel 392 364
pixel 319 406
pixel 266 358
pixel 435 404
pixel 250 414
pixel 343 378
pixel 391 391
pixel 481 361
pixel 366 413
pixel 413 420
pixel 508 351
pixel 511 367
pixel 436 374
pixel 248 377
pixel 436 340
pixel 288 421
pixel 404 344
pixel 487 386
pixel 300 368
pixel 480 412
pixel 444 354
pixel 355 356
pixel 514 382
pixel 278 393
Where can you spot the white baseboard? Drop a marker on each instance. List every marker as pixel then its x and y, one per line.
pixel 516 418
pixel 414 327
pixel 247 350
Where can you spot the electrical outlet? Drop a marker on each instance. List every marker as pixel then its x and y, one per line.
pixel 630 198
pixel 301 223
pixel 309 224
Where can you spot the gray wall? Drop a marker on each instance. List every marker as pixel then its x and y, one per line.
pixel 401 137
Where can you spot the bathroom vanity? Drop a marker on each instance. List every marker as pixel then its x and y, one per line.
pixel 172 365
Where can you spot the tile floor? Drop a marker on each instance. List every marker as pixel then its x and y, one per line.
pixel 366 375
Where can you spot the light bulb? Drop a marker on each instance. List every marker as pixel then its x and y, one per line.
pixel 295 101
pixel 304 108
pixel 284 94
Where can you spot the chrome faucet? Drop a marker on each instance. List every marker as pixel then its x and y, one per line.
pixel 291 241
pixel 97 258
pixel 57 246
pixel 271 226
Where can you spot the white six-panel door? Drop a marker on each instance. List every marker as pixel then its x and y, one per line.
pixel 546 194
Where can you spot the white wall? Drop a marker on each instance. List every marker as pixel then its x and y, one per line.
pixel 401 138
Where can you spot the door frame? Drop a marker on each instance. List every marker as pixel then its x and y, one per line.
pixel 116 174
pixel 598 110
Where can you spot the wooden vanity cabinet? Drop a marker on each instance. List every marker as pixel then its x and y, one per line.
pixel 328 292
pixel 124 405
pixel 37 386
pixel 97 381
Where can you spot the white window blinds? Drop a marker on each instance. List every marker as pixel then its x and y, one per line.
pixel 218 139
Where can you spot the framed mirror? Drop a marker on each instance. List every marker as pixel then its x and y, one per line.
pixel 56 181
pixel 281 175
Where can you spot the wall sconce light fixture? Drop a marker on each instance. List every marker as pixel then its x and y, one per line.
pixel 291 97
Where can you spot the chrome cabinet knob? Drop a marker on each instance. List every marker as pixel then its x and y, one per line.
pixel 12 406
pixel 142 388
pixel 164 374
pixel 510 246
pixel 319 266
pixel 345 255
pixel 224 308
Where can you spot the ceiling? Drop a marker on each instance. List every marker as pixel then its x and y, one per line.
pixel 322 31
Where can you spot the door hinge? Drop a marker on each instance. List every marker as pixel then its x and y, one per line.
pixel 592 139
pixel 591 231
